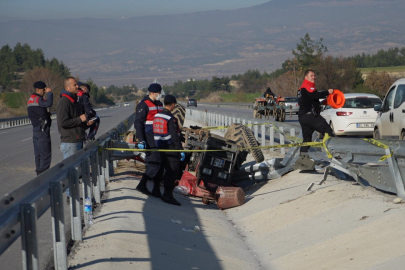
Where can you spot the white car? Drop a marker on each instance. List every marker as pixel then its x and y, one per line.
pixel 126 104
pixel 390 123
pixel 356 117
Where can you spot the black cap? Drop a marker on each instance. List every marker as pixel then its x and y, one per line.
pixel 87 86
pixel 79 84
pixel 170 98
pixel 155 88
pixel 40 85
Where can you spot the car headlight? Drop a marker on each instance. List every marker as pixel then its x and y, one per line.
pixel 222 175
pixel 207 171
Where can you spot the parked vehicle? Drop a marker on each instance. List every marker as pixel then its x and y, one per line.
pixel 126 104
pixel 293 102
pixel 192 102
pixel 390 122
pixel 356 117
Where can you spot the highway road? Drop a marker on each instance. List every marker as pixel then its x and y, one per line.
pixel 17 166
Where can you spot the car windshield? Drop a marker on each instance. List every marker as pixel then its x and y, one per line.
pixel 361 102
pixel 289 99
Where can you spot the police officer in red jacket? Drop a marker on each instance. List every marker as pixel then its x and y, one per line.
pixel 145 113
pixel 310 108
pixel 167 136
pixel 41 122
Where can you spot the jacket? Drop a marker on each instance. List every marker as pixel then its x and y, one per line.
pixel 84 99
pixel 70 126
pixel 166 131
pixel 308 98
pixel 145 113
pixel 38 113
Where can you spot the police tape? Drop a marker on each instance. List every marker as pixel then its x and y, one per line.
pixel 381 145
pixel 312 144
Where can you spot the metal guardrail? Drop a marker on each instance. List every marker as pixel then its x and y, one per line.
pixel 24 120
pixel 20 209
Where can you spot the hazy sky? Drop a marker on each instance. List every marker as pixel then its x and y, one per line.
pixel 40 9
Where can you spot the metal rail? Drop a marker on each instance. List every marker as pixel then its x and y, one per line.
pixel 20 209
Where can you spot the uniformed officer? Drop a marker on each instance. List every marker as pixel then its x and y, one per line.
pixel 309 113
pixel 145 113
pixel 167 136
pixel 41 122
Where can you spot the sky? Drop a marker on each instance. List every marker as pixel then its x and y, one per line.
pixel 114 9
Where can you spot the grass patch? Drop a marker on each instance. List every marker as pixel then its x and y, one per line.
pixel 13 100
pixel 239 97
pixel 382 69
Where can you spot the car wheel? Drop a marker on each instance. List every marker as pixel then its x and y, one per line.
pixel 376 134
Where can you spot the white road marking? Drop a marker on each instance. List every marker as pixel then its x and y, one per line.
pixel 27 139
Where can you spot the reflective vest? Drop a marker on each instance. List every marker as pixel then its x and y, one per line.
pixel 33 101
pixel 160 130
pixel 153 110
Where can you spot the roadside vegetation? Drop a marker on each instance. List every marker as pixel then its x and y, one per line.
pixel 21 66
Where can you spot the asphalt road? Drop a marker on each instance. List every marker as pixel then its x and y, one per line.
pixel 17 167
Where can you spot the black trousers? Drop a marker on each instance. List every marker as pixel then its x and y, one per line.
pixel 310 123
pixel 153 160
pixel 171 164
pixel 42 150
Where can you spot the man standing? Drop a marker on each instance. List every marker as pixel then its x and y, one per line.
pixel 167 136
pixel 41 122
pixel 71 121
pixel 146 110
pixel 310 108
pixel 91 115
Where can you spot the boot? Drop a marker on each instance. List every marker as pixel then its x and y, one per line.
pixel 156 192
pixel 168 198
pixel 156 189
pixel 141 187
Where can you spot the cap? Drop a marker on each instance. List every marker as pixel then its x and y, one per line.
pixel 87 86
pixel 155 88
pixel 40 85
pixel 79 84
pixel 170 98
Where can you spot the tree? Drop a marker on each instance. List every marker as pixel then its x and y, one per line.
pixel 308 52
pixel 379 82
pixel 49 77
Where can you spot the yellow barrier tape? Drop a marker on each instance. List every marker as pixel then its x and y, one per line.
pixel 313 144
pixel 381 145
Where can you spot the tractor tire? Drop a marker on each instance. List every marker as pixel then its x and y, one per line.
pixel 179 112
pixel 251 141
pixel 282 117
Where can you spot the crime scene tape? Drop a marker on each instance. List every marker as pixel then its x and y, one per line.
pixel 381 145
pixel 312 144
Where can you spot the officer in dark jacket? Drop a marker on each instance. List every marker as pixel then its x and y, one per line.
pixel 269 93
pixel 41 122
pixel 145 113
pixel 310 108
pixel 93 121
pixel 167 136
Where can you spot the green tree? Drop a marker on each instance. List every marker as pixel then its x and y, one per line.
pixel 309 52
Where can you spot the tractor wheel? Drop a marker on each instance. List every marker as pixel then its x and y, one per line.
pixel 282 117
pixel 251 141
pixel 195 159
pixel 179 112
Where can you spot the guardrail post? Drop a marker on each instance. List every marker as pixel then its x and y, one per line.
pixel 271 138
pixel 95 176
pixel 110 164
pixel 87 188
pixel 292 132
pixel 244 122
pixel 75 210
pixel 282 150
pixel 58 226
pixel 101 161
pixel 106 164
pixel 395 173
pixel 263 135
pixel 256 131
pixel 29 243
pixel 250 125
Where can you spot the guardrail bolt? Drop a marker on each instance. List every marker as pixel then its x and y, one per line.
pixel 8 235
pixel 12 231
pixel 11 199
pixel 7 202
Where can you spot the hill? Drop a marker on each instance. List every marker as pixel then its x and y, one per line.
pixel 203 44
